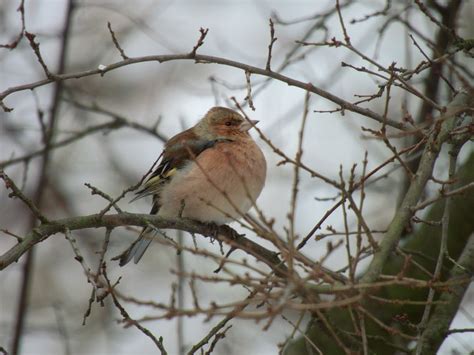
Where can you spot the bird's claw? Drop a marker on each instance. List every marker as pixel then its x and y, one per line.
pixel 233 233
pixel 214 230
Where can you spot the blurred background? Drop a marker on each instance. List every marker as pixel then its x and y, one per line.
pixel 167 98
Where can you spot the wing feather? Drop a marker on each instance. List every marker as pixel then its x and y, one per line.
pixel 178 151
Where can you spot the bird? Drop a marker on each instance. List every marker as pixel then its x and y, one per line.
pixel 212 172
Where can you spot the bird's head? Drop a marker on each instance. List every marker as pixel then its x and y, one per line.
pixel 221 122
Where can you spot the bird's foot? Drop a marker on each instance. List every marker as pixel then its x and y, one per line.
pixel 214 230
pixel 228 231
pixel 234 235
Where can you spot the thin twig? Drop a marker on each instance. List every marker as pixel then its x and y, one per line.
pixel 200 42
pixel 113 125
pixel 17 40
pixel 96 191
pixel 36 48
pixel 127 319
pixel 248 98
pixel 425 10
pixel 7 232
pixel 16 192
pixel 270 46
pixel 116 44
pixel 221 324
pixel 341 21
pixel 295 185
pixel 443 194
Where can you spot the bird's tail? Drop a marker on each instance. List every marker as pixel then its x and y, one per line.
pixel 138 247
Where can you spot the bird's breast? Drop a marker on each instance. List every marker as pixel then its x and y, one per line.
pixel 219 186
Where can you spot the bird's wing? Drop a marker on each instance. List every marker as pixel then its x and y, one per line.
pixel 179 150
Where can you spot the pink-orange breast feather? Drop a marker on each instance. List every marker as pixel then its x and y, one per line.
pixel 220 186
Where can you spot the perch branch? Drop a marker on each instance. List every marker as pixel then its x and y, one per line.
pixel 111 221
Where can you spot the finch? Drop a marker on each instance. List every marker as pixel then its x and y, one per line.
pixel 212 173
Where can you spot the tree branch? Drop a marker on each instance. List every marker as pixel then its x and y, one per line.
pixel 438 325
pixel 225 234
pixel 199 58
pixel 438 136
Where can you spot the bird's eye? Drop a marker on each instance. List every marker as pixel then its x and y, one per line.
pixel 228 123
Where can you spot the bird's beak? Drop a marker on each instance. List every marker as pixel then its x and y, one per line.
pixel 246 125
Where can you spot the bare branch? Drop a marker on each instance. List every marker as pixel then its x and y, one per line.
pixel 403 215
pixel 425 10
pixel 444 194
pixel 96 191
pixel 198 58
pixel 200 42
pixel 343 26
pixel 443 249
pixel 443 314
pixel 116 44
pixel 248 98
pixel 35 46
pixel 17 40
pixel 129 320
pixel 270 46
pixel 220 325
pixel 16 192
pixel 123 219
